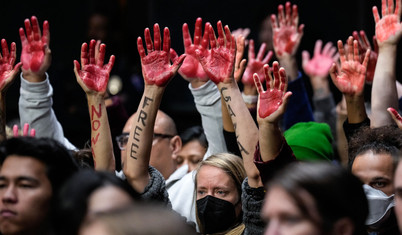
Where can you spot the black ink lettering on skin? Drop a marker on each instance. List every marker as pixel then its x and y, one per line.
pixel 137 131
pixel 133 150
pixel 231 113
pixel 146 99
pixel 143 116
pixel 225 98
pixel 241 148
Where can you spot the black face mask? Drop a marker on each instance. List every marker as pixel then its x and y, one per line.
pixel 215 215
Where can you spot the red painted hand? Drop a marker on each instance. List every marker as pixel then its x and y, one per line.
pixel 240 63
pixel 191 68
pixel 286 33
pixel 25 130
pixel 156 68
pixel 396 116
pixel 321 62
pixel 94 75
pixel 7 69
pixel 35 55
pixel 218 62
pixel 364 44
pixel 256 64
pixel 350 79
pixel 272 102
pixel 388 29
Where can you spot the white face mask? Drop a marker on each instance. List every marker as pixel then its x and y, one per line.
pixel 380 206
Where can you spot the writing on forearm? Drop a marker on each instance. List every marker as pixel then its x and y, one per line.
pixel 142 117
pixel 227 99
pixel 232 114
pixel 95 123
pixel 241 148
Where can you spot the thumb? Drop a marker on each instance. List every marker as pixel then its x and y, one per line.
pixel 173 55
pixel 177 63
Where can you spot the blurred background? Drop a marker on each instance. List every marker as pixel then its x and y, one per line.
pixel 119 22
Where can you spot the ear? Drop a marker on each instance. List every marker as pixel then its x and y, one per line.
pixel 175 145
pixel 344 226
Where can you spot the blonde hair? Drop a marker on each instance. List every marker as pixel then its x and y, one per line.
pixel 229 163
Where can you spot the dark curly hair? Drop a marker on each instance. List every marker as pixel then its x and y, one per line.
pixel 386 139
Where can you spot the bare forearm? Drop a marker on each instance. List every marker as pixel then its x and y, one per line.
pixel 244 126
pixel 384 93
pixel 101 139
pixel 355 108
pixel 140 140
pixel 271 140
pixel 290 64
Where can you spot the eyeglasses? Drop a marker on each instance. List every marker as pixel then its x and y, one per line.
pixel 122 139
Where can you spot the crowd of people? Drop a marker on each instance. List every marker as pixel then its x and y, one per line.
pixel 263 160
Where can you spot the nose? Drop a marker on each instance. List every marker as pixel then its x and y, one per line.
pixel 272 228
pixel 9 195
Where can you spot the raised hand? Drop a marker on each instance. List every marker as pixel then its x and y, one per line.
pixel 35 55
pixel 240 32
pixel 286 32
pixel 156 67
pixel 364 44
pixel 272 102
pixel 191 68
pixel 218 62
pixel 388 28
pixel 396 116
pixel 94 75
pixel 256 64
pixel 319 65
pixel 7 69
pixel 350 79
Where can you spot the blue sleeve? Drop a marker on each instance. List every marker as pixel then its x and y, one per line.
pixel 299 107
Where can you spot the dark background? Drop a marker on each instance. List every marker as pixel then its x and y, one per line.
pixel 329 20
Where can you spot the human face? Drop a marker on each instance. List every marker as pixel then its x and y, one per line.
pixel 190 154
pixel 375 170
pixel 25 193
pixel 398 194
pixel 213 181
pixel 108 198
pixel 284 217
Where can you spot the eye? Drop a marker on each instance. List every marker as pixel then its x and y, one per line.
pixel 195 161
pixel 179 160
pixel 200 192
pixel 291 220
pixel 24 185
pixel 378 184
pixel 221 192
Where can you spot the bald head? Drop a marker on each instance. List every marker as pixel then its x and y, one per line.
pixel 164 148
pixel 163 121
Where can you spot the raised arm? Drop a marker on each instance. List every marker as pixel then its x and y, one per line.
pixel 350 78
pixel 388 31
pixel 205 93
pixel 287 34
pixel 157 72
pixel 271 107
pixel 35 103
pixel 93 77
pixel 219 62
pixel 8 72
